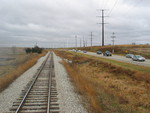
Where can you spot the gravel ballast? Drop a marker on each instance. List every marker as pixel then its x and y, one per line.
pixel 69 101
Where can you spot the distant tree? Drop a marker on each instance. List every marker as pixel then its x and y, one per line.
pixel 133 43
pixel 28 50
pixel 36 49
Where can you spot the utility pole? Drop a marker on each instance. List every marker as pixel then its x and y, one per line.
pixel 64 44
pixel 83 41
pixel 76 41
pixel 80 42
pixel 86 43
pixel 113 38
pixel 113 41
pixel 91 38
pixel 102 27
pixel 103 37
pixel 67 43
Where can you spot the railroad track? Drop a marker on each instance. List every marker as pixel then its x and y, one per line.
pixel 40 94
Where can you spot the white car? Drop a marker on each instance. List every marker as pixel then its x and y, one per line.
pixel 138 58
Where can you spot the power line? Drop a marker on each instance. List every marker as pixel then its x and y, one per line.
pixel 131 8
pixel 84 42
pixel 102 4
pixel 113 41
pixel 105 3
pixel 127 10
pixel 113 7
pixel 80 42
pixel 76 41
pixel 91 38
pixel 102 26
pixel 113 38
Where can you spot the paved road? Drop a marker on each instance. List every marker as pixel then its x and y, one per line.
pixel 122 58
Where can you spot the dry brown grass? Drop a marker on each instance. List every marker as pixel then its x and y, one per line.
pixel 116 90
pixel 84 87
pixel 9 78
pixel 76 58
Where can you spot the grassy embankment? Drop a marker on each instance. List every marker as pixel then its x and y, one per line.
pixel 109 86
pixel 22 63
pixel 143 50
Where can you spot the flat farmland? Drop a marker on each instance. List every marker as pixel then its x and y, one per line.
pixel 10 58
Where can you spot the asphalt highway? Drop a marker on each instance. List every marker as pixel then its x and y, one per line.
pixel 122 58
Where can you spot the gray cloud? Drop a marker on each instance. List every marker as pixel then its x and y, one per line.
pixel 56 22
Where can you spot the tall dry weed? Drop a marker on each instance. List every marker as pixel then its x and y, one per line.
pixel 84 88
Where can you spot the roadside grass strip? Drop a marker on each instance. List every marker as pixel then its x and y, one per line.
pixel 107 85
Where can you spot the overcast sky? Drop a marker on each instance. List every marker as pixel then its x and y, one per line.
pixel 54 23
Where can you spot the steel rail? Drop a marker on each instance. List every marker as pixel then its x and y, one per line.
pixel 50 83
pixel 24 98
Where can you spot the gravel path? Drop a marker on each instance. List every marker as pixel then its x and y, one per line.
pixel 8 96
pixel 70 102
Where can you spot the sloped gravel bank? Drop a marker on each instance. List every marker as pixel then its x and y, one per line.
pixel 70 102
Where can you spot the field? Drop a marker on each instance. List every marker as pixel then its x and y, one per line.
pixel 10 59
pixel 13 62
pixel 109 87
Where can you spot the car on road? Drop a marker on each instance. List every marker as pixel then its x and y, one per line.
pixel 99 52
pixel 129 55
pixel 77 50
pixel 107 53
pixel 138 58
pixel 84 51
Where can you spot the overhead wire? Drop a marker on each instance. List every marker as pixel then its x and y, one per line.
pixel 106 3
pixel 131 8
pixel 102 4
pixel 116 6
pixel 115 3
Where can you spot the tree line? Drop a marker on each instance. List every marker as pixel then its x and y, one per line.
pixel 36 49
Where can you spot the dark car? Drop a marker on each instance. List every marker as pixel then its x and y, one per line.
pixel 84 51
pixel 138 58
pixel 107 53
pixel 99 52
pixel 129 55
